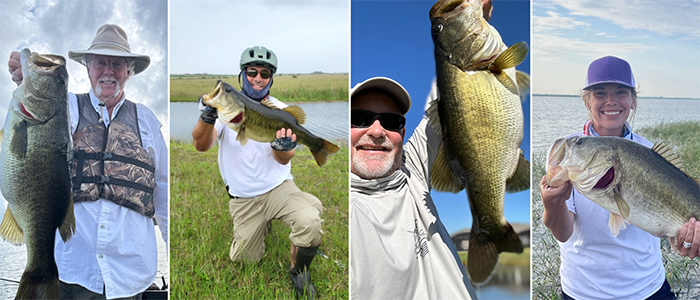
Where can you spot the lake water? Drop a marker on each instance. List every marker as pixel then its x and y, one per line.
pixel 14 259
pixel 328 120
pixel 556 117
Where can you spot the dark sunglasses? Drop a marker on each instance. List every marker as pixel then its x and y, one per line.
pixel 364 118
pixel 265 74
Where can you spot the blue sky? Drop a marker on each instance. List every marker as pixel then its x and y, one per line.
pixel 660 40
pixel 392 39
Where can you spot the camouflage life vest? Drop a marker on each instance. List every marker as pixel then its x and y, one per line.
pixel 113 163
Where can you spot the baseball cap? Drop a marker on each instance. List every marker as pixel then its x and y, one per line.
pixel 609 69
pixel 388 85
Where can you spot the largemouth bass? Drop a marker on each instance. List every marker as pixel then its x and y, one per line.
pixel 35 171
pixel 260 121
pixel 638 185
pixel 479 117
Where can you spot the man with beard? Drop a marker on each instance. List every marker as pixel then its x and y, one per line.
pixel 120 177
pixel 399 247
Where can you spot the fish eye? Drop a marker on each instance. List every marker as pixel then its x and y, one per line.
pixel 579 141
pixel 437 29
pixel 61 80
pixel 229 89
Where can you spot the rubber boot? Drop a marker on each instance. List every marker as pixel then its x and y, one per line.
pixel 300 275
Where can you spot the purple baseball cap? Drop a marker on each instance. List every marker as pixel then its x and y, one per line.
pixel 609 69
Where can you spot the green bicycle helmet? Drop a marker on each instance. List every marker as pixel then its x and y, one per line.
pixel 260 57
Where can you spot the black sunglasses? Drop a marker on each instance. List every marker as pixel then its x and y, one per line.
pixel 364 118
pixel 265 74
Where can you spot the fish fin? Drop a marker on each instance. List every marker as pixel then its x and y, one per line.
pixel 434 118
pixel 484 248
pixel 241 136
pixel 616 223
pixel 441 178
pixel 296 112
pixel 67 228
pixel 18 144
pixel 622 205
pixel 9 230
pixel 667 152
pixel 267 102
pixel 38 284
pixel 512 57
pixel 520 180
pixel 2 134
pixel 523 81
pixel 321 155
pixel 673 241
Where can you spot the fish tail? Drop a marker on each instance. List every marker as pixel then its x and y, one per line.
pixel 484 249
pixel 36 284
pixel 327 148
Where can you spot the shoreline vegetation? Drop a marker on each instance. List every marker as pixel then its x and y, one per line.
pixel 314 87
pixel 640 97
pixel 681 272
pixel 201 231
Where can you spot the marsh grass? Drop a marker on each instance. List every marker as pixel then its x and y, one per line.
pixel 201 231
pixel 681 272
pixel 286 87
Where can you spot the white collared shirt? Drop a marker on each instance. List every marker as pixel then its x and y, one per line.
pixel 114 247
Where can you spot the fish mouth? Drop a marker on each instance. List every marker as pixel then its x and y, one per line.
pixel 605 181
pixel 23 110
pixel 448 8
pixel 215 93
pixel 237 119
pixel 557 174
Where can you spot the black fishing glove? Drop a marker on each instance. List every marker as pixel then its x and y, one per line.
pixel 207 113
pixel 283 144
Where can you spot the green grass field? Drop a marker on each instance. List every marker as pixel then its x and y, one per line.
pixel 681 272
pixel 285 87
pixel 201 231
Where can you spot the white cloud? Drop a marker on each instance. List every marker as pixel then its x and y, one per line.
pixel 306 36
pixel 555 21
pixel 550 47
pixel 662 17
pixel 60 26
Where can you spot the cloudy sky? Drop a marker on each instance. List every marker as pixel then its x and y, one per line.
pixel 209 36
pixel 60 26
pixel 660 40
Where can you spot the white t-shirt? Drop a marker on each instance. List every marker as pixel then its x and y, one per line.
pixel 249 170
pixel 597 265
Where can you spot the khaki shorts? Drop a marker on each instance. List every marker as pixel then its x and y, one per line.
pixel 299 210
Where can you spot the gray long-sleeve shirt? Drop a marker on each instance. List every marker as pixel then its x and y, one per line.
pixel 399 248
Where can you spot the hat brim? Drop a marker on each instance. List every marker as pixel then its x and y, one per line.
pixel 609 81
pixel 141 62
pixel 393 88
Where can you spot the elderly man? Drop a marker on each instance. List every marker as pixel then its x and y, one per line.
pixel 399 248
pixel 258 179
pixel 120 177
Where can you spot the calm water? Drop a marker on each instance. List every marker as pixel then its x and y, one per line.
pixel 555 117
pixel 14 258
pixel 328 120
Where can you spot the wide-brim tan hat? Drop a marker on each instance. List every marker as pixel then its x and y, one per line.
pixel 111 40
